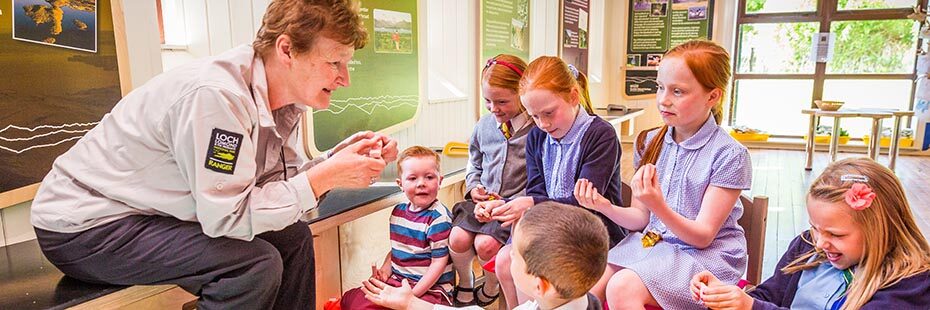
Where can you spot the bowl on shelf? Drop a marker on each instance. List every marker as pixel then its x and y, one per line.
pixel 827 105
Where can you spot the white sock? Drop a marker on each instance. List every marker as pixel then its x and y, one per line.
pixel 462 264
pixel 491 285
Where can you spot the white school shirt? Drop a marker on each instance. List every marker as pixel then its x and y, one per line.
pixel 580 303
pixel 198 143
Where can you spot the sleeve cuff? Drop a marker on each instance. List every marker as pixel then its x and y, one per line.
pixel 305 197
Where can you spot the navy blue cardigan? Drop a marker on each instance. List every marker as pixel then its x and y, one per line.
pixel 599 162
pixel 778 291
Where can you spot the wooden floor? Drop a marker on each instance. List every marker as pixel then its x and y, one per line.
pixel 780 175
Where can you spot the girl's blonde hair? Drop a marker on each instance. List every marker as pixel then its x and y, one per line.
pixel 504 71
pixel 894 248
pixel 553 74
pixel 710 64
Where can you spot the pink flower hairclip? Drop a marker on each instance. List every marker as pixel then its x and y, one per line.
pixel 860 195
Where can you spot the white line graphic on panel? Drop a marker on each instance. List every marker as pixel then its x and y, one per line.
pixel 43 135
pixel 370 103
pixel 59 131
pixel 48 126
pixel 40 145
pixel 636 79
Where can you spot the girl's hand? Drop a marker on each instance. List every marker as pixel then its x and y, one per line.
pixel 717 295
pixel 646 187
pixel 588 197
pixel 512 211
pixel 483 209
pixel 479 194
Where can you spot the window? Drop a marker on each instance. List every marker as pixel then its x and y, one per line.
pixel 171 24
pixel 872 66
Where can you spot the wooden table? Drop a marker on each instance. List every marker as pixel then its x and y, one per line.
pixel 875 137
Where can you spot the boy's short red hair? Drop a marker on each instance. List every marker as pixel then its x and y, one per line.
pixel 416 151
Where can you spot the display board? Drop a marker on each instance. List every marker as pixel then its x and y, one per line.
pixel 59 59
pixel 503 28
pixel 574 33
pixel 655 26
pixel 385 84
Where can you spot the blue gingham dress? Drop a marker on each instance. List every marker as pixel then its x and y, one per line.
pixel 685 170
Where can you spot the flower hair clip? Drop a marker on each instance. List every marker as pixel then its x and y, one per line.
pixel 574 70
pixel 860 195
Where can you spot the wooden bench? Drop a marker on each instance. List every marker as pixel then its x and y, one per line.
pixel 29 281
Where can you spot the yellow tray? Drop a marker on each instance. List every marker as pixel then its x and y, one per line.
pixel 749 136
pixel 825 139
pixel 455 148
pixel 886 141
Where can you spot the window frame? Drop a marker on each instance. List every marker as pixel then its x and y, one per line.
pixel 827 12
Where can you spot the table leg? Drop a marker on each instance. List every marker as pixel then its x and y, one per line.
pixel 835 138
pixel 893 148
pixel 875 138
pixel 810 142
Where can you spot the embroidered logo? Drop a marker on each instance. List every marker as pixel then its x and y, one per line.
pixel 223 151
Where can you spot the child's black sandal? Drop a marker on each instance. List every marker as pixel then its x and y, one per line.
pixel 455 296
pixel 483 298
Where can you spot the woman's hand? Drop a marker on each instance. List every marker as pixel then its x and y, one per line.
pixel 588 197
pixel 351 167
pixel 706 288
pixel 646 187
pixel 387 150
pixel 511 211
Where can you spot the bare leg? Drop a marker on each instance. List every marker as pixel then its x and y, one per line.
pixel 502 268
pixel 600 288
pixel 487 247
pixel 627 291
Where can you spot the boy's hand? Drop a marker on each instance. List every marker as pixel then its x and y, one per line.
pixel 588 197
pixel 378 274
pixel 483 209
pixel 706 288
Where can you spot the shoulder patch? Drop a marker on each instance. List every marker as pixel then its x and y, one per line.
pixel 223 151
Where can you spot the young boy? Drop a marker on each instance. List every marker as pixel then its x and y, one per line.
pixel 419 236
pixel 560 251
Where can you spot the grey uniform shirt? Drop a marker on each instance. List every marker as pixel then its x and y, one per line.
pixel 198 143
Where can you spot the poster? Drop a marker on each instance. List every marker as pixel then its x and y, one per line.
pixel 655 26
pixel 67 24
pixel 55 90
pixel 385 89
pixel 575 33
pixel 505 28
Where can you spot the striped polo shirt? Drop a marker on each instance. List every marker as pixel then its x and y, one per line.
pixel 417 238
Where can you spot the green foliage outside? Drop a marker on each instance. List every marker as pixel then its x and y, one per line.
pixel 877 46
